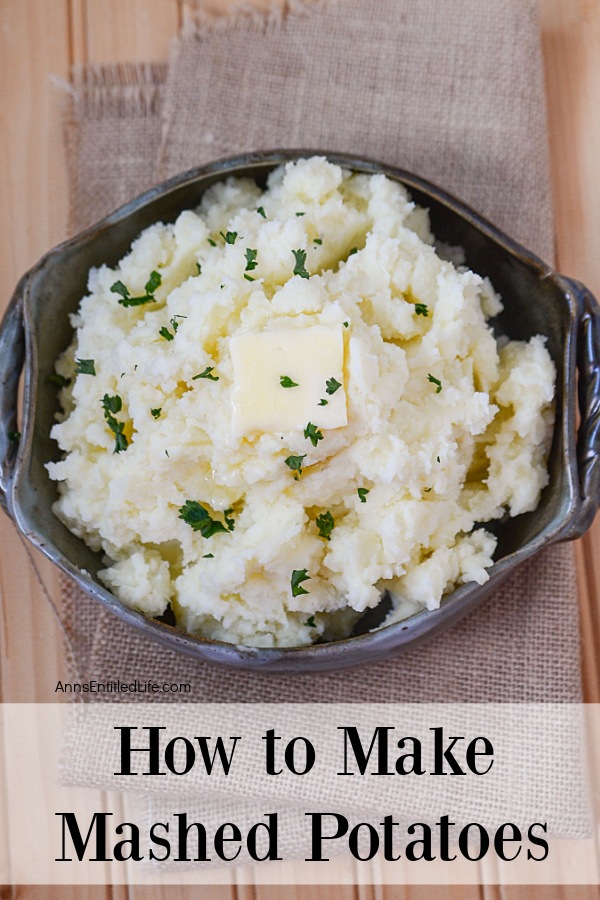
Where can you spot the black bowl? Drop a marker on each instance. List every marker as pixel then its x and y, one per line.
pixel 537 300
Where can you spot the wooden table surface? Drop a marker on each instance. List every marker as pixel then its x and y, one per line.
pixel 39 42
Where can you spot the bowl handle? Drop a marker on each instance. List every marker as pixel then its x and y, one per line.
pixel 12 358
pixel 588 437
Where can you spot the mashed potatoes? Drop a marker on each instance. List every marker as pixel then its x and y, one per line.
pixel 192 458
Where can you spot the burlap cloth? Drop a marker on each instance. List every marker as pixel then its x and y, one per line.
pixel 451 89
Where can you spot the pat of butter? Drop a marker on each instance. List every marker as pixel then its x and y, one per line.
pixel 310 357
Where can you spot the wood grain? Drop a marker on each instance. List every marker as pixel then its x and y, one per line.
pixel 571 43
pixel 39 41
pixel 33 198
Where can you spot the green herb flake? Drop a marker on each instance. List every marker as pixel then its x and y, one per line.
pixel 208 556
pixel 198 269
pixel 332 385
pixel 286 382
pixel 345 324
pixel 353 251
pixel 299 269
pixel 153 282
pixel 435 381
pixel 426 490
pixel 207 374
pixel 318 241
pixel 310 622
pixel 362 493
pixel 60 380
pixel 137 301
pixel 212 243
pixel 126 299
pixel 85 367
pixel 421 309
pixel 250 259
pixel 166 334
pixel 13 436
pixel 300 214
pixel 156 412
pixel 230 237
pixel 198 517
pixel 121 442
pixel 298 576
pixel 438 459
pixel 312 433
pixel 112 406
pixel 325 524
pixel 323 402
pixel 295 464
pixel 261 212
pixel 249 277
pixel 119 288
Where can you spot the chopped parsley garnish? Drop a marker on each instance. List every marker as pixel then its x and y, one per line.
pixel 156 412
pixel 111 406
pixel 318 241
pixel 300 214
pixel 261 212
pixel 85 367
pixel 438 459
pixel 153 282
pixel 345 324
pixel 198 269
pixel 208 556
pixel 312 433
pixel 14 436
pixel 250 259
pixel 126 299
pixel 286 382
pixel 332 385
pixel 310 622
pixel 426 490
pixel 362 493
pixel 249 277
pixel 295 464
pixel 435 381
pixel 300 257
pixel 166 334
pixel 421 309
pixel 119 288
pixel 60 380
pixel 212 243
pixel 230 237
pixel 298 576
pixel 207 374
pixel 198 517
pixel 353 251
pixel 323 402
pixel 325 524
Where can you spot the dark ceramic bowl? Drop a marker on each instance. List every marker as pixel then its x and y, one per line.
pixel 536 300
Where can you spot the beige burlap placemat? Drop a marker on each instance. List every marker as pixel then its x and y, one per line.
pixel 451 90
